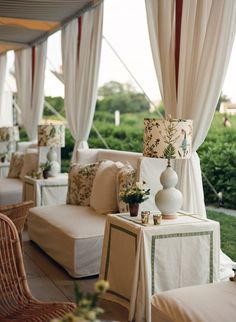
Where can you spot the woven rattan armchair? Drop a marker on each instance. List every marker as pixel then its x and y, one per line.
pixel 17 213
pixel 16 301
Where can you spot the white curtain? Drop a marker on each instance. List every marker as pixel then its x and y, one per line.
pixel 207 34
pixel 30 86
pixel 3 67
pixel 80 72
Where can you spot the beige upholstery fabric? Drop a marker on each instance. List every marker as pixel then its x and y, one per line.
pixel 92 155
pixel 16 165
pixel 203 303
pixel 30 164
pixel 104 193
pixel 126 177
pixel 80 183
pixel 10 190
pixel 71 235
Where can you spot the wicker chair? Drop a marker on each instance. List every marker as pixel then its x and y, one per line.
pixel 17 213
pixel 16 301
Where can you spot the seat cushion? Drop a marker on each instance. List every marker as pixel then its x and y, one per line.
pixel 11 190
pixel 202 303
pixel 72 235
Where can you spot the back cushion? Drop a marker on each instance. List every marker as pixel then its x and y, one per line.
pixel 126 177
pixel 104 191
pixel 30 164
pixel 80 183
pixel 16 165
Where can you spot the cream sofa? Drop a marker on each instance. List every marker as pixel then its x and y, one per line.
pixel 73 235
pixel 11 187
pixel 201 303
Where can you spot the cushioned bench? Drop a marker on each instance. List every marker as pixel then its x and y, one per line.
pixel 11 188
pixel 73 234
pixel 202 303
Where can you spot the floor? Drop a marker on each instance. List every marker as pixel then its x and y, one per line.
pixel 49 282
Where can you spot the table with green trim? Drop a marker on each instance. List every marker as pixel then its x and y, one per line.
pixel 141 260
pixel 46 192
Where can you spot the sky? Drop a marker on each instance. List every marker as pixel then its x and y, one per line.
pixel 125 28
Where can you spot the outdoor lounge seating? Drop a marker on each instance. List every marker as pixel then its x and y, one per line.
pixel 73 234
pixel 16 301
pixel 201 303
pixel 11 187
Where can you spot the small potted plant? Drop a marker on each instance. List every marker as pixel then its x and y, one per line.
pixel 45 167
pixel 3 157
pixel 135 195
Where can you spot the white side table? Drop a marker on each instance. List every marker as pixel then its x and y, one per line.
pixel 141 260
pixel 4 168
pixel 45 192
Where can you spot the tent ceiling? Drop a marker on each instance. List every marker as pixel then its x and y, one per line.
pixel 26 22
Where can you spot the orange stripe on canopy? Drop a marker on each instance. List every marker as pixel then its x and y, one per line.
pixel 178 19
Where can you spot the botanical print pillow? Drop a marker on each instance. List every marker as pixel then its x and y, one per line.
pixel 16 165
pixel 30 164
pixel 80 183
pixel 125 178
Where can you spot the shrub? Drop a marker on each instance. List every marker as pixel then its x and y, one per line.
pixel 218 162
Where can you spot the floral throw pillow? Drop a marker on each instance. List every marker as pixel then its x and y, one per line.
pixel 126 177
pixel 80 183
pixel 16 165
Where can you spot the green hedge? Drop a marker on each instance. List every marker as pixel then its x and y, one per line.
pixel 218 162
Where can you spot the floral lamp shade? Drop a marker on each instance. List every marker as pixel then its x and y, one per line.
pixel 51 135
pixel 9 134
pixel 168 139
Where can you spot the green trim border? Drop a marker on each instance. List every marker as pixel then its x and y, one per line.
pixel 126 231
pixel 181 235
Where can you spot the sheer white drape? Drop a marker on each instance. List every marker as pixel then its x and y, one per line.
pixel 30 90
pixel 80 72
pixel 3 66
pixel 207 34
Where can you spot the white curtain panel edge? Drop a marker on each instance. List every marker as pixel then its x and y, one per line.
pixel 3 67
pixel 30 100
pixel 81 81
pixel 198 87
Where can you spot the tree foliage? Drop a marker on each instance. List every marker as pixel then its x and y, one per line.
pixel 57 103
pixel 123 97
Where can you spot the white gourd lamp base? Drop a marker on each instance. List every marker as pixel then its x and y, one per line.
pixel 169 200
pixel 54 165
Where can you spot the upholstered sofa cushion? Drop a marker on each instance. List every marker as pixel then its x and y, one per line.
pixel 72 235
pixel 104 191
pixel 80 183
pixel 202 303
pixel 16 165
pixel 11 190
pixel 30 164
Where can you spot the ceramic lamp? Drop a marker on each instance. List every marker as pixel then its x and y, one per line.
pixel 52 135
pixel 9 135
pixel 168 139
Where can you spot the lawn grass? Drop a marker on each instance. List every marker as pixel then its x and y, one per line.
pixel 227 230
